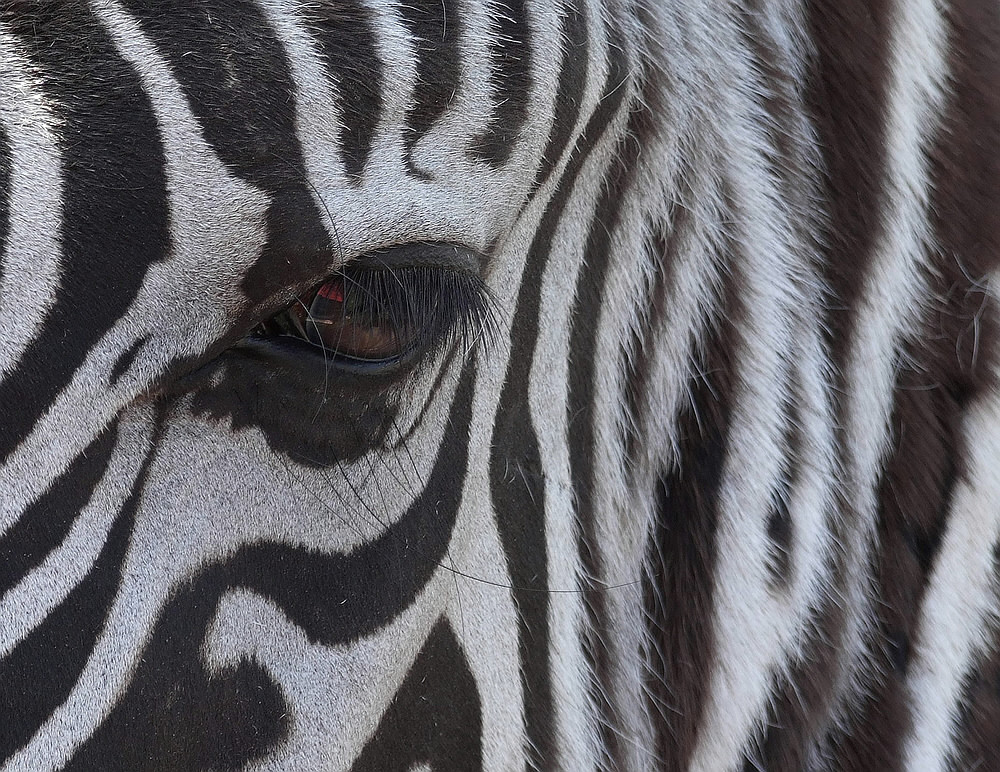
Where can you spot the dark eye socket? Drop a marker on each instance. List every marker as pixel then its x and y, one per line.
pixel 381 311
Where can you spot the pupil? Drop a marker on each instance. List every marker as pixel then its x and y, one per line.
pixel 335 323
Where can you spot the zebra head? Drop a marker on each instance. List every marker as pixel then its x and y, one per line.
pixel 497 385
pixel 273 456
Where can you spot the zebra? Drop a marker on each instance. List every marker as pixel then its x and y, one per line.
pixel 499 384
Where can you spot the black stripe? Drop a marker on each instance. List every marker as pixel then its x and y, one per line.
pixel 115 220
pixel 435 28
pixel 570 91
pixel 779 536
pixel 663 244
pixel 780 526
pixel 581 406
pixel 966 213
pixel 125 360
pixel 338 598
pixel 945 371
pixel 680 589
pixel 40 671
pixel 225 718
pixel 43 526
pixel 238 83
pixel 435 718
pixel 346 37
pixel 847 96
pixel 789 147
pixel 6 172
pixel 515 462
pixel 802 717
pixel 510 80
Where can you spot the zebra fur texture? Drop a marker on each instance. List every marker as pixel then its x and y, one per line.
pixel 499 384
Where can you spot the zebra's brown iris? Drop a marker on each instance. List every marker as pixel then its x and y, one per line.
pixel 342 318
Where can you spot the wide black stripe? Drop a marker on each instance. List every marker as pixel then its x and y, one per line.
pixel 223 719
pixel 570 90
pixel 42 669
pixel 510 80
pixel 115 220
pixel 435 28
pixel 346 37
pixel 238 83
pixel 6 172
pixel 847 98
pixel 680 588
pixel 43 526
pixel 435 718
pixel 516 482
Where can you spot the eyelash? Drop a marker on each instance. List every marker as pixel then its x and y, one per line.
pixel 422 308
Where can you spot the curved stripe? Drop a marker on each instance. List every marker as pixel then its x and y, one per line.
pixel 571 88
pixel 103 234
pixel 30 201
pixel 965 211
pixel 39 673
pixel 435 29
pixel 346 36
pixel 234 72
pixel 435 717
pixel 510 79
pixel 515 464
pixel 581 409
pixel 229 717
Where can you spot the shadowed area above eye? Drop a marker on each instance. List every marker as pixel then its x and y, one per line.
pixel 390 306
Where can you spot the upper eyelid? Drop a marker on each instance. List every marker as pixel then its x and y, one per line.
pixel 423 254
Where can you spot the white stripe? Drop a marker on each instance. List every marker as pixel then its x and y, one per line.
pixel 185 303
pixel 757 628
pixel 889 307
pixel 30 263
pixel 961 597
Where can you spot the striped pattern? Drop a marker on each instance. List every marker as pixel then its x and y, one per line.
pixel 719 490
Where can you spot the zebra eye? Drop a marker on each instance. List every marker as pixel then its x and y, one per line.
pixel 377 313
pixel 345 320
